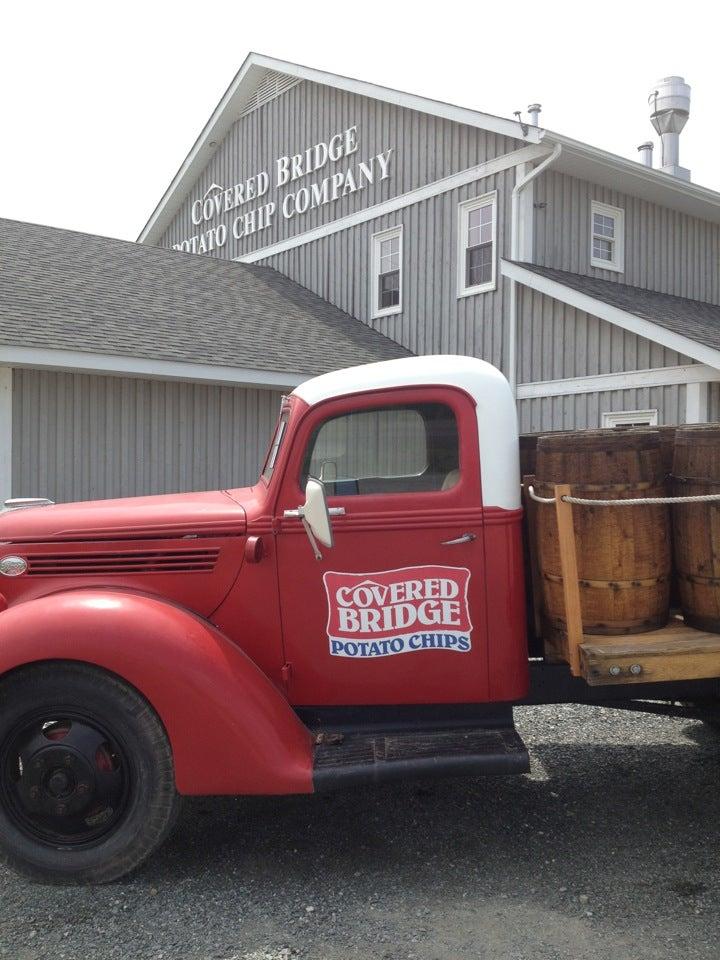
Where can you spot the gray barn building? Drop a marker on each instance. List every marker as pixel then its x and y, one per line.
pixel 590 280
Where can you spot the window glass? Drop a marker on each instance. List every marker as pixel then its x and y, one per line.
pixel 275 447
pixel 389 289
pixel 602 249
pixel 604 225
pixel 402 449
pixel 479 265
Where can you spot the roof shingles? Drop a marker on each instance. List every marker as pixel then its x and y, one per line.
pixel 73 291
pixel 693 319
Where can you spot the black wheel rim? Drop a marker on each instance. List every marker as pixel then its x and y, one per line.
pixel 65 778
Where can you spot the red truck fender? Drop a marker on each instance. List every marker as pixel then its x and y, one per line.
pixel 231 730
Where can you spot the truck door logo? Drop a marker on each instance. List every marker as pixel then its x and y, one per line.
pixel 398 611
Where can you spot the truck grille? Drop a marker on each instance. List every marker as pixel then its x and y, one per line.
pixel 130 562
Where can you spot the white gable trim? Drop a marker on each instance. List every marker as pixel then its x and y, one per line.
pixel 696 373
pixel 78 362
pixel 621 318
pixel 240 90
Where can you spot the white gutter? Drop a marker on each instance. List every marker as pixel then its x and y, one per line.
pixel 515 255
pixel 78 361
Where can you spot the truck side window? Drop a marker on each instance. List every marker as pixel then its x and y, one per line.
pixel 403 449
pixel 269 466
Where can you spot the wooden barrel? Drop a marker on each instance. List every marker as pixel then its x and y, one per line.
pixel 696 526
pixel 623 553
pixel 667 448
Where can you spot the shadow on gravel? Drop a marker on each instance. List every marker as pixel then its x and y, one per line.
pixel 604 851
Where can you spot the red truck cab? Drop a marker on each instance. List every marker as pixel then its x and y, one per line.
pixel 358 614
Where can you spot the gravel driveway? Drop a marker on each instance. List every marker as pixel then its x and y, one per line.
pixel 609 849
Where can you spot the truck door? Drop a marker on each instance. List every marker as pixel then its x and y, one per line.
pixel 395 612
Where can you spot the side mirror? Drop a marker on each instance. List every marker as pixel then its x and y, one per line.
pixel 314 512
pixel 315 516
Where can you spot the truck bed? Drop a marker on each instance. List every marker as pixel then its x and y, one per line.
pixel 677 652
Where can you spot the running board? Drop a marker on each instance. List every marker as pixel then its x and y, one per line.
pixel 347 759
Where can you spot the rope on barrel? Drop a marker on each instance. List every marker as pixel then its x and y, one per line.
pixel 640 501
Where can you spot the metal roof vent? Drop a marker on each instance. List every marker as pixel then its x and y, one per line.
pixel 534 111
pixel 670 105
pixel 646 153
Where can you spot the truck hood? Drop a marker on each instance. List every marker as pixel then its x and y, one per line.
pixel 214 513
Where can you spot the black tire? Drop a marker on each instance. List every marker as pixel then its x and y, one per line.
pixel 87 786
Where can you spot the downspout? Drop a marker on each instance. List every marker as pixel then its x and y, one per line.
pixel 515 254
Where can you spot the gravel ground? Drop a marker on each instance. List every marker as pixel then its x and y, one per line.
pixel 609 849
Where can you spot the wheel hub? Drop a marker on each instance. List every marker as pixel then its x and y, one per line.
pixel 65 780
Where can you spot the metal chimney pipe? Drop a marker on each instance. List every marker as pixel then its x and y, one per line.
pixel 670 105
pixel 646 153
pixel 534 111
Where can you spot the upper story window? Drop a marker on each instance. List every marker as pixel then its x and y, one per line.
pixel 476 245
pixel 607 237
pixel 387 272
pixel 409 448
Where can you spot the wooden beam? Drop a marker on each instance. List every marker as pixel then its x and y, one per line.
pixel 676 652
pixel 571 587
pixel 690 373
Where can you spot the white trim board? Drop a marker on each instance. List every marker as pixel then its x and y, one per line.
pixel 621 318
pixel 626 380
pixel 245 81
pixel 696 403
pixel 434 189
pixel 76 361
pixel 6 432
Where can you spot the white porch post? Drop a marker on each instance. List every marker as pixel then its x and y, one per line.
pixel 5 433
pixel 696 403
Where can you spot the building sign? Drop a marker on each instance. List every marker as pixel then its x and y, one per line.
pixel 398 611
pixel 256 202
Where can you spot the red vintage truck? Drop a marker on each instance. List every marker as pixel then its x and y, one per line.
pixel 358 614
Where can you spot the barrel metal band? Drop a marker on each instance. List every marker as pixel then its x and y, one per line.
pixel 701 581
pixel 611 584
pixel 610 487
pixel 700 481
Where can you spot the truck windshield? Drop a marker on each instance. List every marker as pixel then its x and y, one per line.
pixel 275 446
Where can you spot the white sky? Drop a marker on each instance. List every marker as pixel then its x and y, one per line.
pixel 100 102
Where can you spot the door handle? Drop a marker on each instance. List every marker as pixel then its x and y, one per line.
pixel 465 538
pixel 295 514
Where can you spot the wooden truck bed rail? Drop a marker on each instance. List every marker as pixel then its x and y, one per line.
pixel 675 652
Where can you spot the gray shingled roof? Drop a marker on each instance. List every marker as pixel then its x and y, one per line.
pixel 65 290
pixel 693 319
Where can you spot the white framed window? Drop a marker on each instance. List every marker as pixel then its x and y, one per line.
pixel 477 233
pixel 607 237
pixel 630 418
pixel 386 277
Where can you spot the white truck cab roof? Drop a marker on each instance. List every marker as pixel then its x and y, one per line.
pixel 496 413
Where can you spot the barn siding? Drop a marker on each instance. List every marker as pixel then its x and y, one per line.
pixel 84 437
pixel 425 148
pixel 558 341
pixel 434 319
pixel 666 251
pixel 585 410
